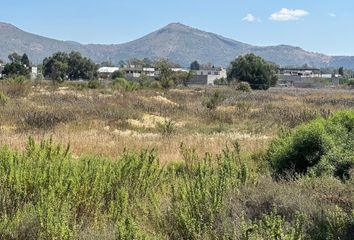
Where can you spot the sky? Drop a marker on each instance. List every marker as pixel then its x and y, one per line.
pixel 324 26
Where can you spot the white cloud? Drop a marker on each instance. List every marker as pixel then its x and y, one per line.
pixel 250 18
pixel 286 14
pixel 332 15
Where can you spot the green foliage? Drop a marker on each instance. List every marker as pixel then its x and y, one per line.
pixel 323 146
pixel 274 227
pixel 3 99
pixel 212 102
pixel 16 69
pixel 166 128
pixel 198 200
pixel 195 65
pixel 117 74
pixel 254 70
pixel 165 73
pixel 16 86
pixel 221 81
pixel 19 66
pixel 62 66
pixel 125 85
pixel 94 84
pixel 45 194
pixel 244 87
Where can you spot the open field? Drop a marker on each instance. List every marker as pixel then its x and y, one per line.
pixel 105 122
pixel 188 163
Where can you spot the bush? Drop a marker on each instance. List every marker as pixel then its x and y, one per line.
pixel 123 84
pixel 3 99
pixel 213 101
pixel 198 201
pixel 94 84
pixel 15 87
pixel 244 87
pixel 47 120
pixel 167 128
pixel 323 146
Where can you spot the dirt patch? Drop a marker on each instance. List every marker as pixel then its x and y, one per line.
pixel 147 121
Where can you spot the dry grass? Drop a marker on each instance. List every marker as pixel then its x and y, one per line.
pixel 105 122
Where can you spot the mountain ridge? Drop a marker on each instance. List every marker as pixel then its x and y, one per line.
pixel 178 42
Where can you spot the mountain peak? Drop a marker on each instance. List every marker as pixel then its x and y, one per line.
pixel 4 25
pixel 177 26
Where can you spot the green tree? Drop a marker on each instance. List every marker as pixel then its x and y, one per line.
pixel 25 60
pixel 14 57
pixel 341 71
pixel 117 74
pixel 181 78
pixel 165 73
pixel 16 68
pixel 61 66
pixel 18 65
pixel 56 66
pixel 81 67
pixel 250 68
pixel 195 65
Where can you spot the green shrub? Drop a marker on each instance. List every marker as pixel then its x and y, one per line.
pixel 15 87
pixel 3 99
pixel 166 128
pixel 94 84
pixel 244 87
pixel 123 84
pixel 213 101
pixel 274 227
pixel 198 200
pixel 46 194
pixel 323 146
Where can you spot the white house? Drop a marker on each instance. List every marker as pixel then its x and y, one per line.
pixel 106 72
pixel 208 76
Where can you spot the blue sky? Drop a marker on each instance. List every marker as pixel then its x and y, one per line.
pixel 324 26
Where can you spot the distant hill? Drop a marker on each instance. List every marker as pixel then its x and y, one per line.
pixel 177 42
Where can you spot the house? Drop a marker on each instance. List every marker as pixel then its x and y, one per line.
pixel 106 72
pixel 133 71
pixel 304 77
pixel 34 72
pixel 179 70
pixel 208 76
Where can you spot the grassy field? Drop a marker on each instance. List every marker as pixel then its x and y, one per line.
pixel 188 163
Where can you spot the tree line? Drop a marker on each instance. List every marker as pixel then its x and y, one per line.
pixel 61 66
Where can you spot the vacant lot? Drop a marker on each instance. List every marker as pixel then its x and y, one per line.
pixel 106 122
pixel 188 163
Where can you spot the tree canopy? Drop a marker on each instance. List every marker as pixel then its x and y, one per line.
pixel 250 68
pixel 195 65
pixel 19 65
pixel 61 66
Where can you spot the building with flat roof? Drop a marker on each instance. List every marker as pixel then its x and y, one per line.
pixel 208 76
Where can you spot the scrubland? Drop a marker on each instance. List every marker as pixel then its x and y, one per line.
pixel 187 163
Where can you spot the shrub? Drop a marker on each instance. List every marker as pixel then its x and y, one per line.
pixel 244 87
pixel 166 128
pixel 213 101
pixel 123 84
pixel 15 87
pixel 323 146
pixel 198 201
pixel 94 84
pixel 47 120
pixel 3 99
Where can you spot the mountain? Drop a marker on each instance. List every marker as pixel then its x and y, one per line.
pixel 177 42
